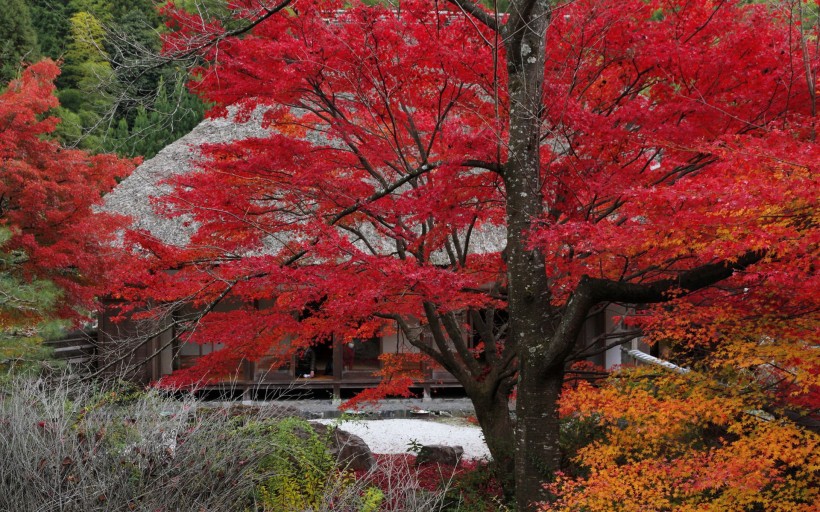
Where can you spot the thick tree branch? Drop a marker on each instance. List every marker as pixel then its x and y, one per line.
pixel 485 332
pixel 659 291
pixel 572 320
pixel 591 291
pixel 476 12
pixel 481 164
pixel 440 339
pixel 590 350
pixel 457 338
pixel 414 338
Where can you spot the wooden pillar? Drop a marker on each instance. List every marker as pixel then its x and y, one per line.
pixel 337 359
pixel 156 367
pixel 252 368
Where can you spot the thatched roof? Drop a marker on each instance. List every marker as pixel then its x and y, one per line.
pixel 136 195
pixel 133 196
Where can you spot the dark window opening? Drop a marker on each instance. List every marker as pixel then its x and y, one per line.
pixel 361 354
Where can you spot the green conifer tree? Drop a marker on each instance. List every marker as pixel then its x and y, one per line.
pixel 18 39
pixel 85 53
pixel 102 10
pixel 26 308
pixel 86 79
pixel 50 19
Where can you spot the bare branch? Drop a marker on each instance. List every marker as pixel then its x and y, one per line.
pixel 266 12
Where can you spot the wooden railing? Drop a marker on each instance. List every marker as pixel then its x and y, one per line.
pixel 78 349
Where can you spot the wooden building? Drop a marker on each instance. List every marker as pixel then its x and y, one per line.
pixel 151 352
pixel 339 365
pixel 125 348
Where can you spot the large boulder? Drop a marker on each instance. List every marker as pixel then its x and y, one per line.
pixel 439 454
pixel 349 449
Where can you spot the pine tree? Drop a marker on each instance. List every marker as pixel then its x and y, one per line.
pixel 172 115
pixel 85 53
pixel 86 79
pixel 50 19
pixel 140 133
pixel 26 312
pixel 18 40
pixel 103 10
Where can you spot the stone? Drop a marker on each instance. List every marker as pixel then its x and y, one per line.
pixel 439 454
pixel 350 450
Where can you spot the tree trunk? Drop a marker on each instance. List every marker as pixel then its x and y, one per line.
pixel 538 454
pixel 531 313
pixel 493 416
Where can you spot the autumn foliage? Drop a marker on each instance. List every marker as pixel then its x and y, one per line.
pixel 47 195
pixel 416 172
pixel 673 137
pixel 667 441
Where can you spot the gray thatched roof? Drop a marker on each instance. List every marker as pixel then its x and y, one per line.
pixel 135 195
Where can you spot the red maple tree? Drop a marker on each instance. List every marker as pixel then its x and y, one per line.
pixel 47 195
pixel 432 159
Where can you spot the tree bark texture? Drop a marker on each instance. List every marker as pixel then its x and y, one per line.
pixel 537 453
pixel 493 414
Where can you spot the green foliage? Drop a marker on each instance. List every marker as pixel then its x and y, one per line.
pixel 501 5
pixel 114 95
pixel 148 8
pixel 18 40
pixel 17 298
pixel 71 127
pixel 303 467
pixel 84 82
pixel 50 21
pixel 174 113
pixel 372 500
pixel 210 9
pixel 24 354
pixel 86 46
pixel 131 42
pixel 575 433
pixel 103 10
pixel 304 475
pixel 26 308
pixel 414 446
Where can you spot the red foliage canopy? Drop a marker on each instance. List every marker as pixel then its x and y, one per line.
pixel 669 156
pixel 673 136
pixel 47 195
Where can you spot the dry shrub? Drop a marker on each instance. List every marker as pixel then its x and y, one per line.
pixel 68 446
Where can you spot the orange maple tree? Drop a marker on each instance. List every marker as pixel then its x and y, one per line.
pixel 697 441
pixel 435 161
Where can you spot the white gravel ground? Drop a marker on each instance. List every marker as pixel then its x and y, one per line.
pixel 394 436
